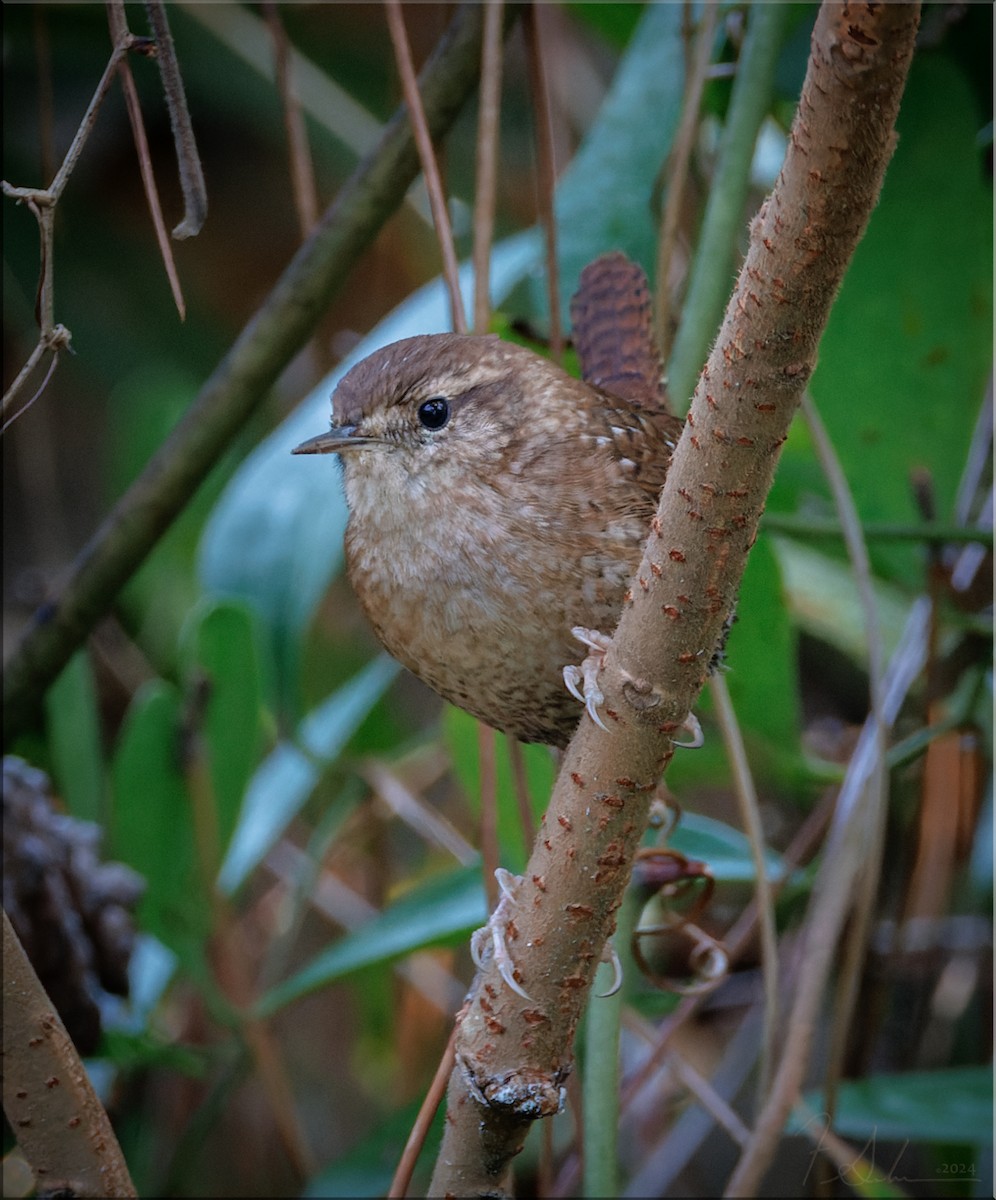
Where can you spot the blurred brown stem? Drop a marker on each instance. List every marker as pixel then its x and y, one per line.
pixel 489 112
pixel 302 169
pixel 427 157
pixel 547 173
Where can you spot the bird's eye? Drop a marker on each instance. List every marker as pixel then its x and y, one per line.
pixel 434 413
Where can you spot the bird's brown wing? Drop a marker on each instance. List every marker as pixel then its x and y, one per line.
pixel 642 442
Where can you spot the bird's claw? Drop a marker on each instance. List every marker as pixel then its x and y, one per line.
pixel 610 956
pixel 691 724
pixel 589 694
pixel 493 934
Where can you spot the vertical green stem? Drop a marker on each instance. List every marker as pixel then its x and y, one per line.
pixel 600 1087
pixel 712 273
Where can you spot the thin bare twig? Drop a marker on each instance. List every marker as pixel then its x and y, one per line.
pixel 489 110
pixel 679 164
pixel 302 168
pixel 42 202
pixel 854 950
pixel 149 185
pixel 427 157
pixel 714 1104
pixel 546 183
pixel 195 202
pixel 750 815
pixel 420 1130
pixel 55 188
pixel 419 815
pixel 61 335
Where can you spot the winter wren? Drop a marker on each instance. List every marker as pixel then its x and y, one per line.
pixel 496 502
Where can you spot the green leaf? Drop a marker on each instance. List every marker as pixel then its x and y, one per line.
pixel 221 653
pixel 73 729
pixel 152 828
pixel 443 910
pixel 821 598
pixel 952 1105
pixel 908 348
pixel 761 657
pixel 760 666
pixel 605 198
pixel 725 850
pixel 287 776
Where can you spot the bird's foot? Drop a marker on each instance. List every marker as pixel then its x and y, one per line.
pixel 493 934
pixel 589 693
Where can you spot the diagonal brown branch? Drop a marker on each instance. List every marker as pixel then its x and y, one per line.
pixel 513 1056
pixel 270 340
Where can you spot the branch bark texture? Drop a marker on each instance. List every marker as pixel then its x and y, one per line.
pixel 267 344
pixel 513 1055
pixel 48 1099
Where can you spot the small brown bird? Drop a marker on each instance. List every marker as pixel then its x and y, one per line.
pixel 498 506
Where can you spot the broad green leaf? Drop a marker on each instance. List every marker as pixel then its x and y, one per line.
pixel 908 348
pixel 950 1105
pixel 821 598
pixel 760 658
pixel 287 776
pixel 152 822
pixel 443 910
pixel 73 729
pixel 275 537
pixel 760 666
pixel 221 655
pixel 725 850
pixel 605 198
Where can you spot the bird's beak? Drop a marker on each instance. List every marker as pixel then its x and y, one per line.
pixel 339 437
